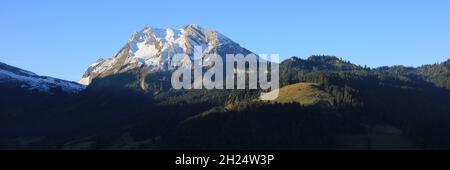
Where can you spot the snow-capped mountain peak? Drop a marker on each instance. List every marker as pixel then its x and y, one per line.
pixel 153 49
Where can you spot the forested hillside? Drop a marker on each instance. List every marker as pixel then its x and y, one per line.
pixel 326 103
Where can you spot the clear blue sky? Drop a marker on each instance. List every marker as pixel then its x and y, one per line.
pixel 61 38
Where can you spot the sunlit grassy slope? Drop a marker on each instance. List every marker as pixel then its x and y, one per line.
pixel 303 93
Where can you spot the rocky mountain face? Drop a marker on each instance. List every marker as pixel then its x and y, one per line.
pixel 152 49
pixel 16 77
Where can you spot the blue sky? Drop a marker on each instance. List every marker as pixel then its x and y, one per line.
pixel 61 38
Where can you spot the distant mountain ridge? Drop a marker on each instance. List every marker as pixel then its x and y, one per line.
pixel 438 74
pixel 28 80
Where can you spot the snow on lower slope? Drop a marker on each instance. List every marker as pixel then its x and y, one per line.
pixel 31 81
